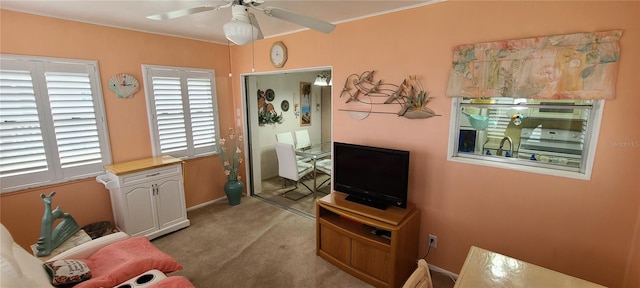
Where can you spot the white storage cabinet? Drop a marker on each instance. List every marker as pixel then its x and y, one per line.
pixel 147 196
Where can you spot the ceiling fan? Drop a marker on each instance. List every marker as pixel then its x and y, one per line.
pixel 243 27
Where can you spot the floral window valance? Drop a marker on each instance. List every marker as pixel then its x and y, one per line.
pixel 572 66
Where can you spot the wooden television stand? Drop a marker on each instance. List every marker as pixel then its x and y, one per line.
pixel 344 238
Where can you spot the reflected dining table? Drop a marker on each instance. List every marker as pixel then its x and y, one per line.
pixel 315 152
pixel 484 268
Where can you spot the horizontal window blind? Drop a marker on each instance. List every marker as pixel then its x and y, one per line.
pixel 498 119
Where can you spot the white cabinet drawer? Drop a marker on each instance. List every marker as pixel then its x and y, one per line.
pixel 149 175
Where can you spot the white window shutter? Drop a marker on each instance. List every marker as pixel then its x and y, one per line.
pixel 201 109
pixel 74 119
pixel 182 110
pixel 169 114
pixel 21 144
pixel 51 121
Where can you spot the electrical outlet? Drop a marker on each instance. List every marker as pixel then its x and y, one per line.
pixel 433 240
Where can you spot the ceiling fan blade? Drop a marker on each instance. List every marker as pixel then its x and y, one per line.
pixel 254 22
pixel 182 12
pixel 315 24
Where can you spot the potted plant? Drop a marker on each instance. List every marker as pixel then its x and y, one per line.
pixel 231 156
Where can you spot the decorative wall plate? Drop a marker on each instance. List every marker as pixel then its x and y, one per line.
pixel 269 94
pixel 284 105
pixel 124 85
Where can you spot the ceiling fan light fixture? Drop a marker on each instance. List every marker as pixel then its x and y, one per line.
pixel 323 79
pixel 320 81
pixel 240 30
pixel 240 33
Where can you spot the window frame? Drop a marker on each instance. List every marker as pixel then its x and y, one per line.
pixel 183 72
pixel 55 173
pixel 589 146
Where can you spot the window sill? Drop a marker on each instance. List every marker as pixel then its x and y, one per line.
pixel 49 184
pixel 194 157
pixel 522 168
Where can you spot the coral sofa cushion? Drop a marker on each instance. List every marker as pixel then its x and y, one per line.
pixel 120 261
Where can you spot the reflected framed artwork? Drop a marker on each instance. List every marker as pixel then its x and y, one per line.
pixel 305 104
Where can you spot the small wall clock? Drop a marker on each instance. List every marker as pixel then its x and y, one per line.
pixel 124 85
pixel 278 54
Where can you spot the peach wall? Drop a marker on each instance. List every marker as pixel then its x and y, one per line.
pixel 555 222
pixel 117 51
pixel 632 277
pixel 22 211
pixel 583 228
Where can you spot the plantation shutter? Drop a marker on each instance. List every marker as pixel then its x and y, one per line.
pixel 201 109
pixel 51 121
pixel 74 117
pixel 21 141
pixel 169 113
pixel 182 111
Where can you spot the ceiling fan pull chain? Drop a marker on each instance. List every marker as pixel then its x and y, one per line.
pixel 229 47
pixel 253 53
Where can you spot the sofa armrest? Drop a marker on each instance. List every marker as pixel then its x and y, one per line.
pixel 85 250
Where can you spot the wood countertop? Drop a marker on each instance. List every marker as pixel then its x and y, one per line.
pixel 141 164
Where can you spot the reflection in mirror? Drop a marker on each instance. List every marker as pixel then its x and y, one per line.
pixel 535 132
pixel 264 181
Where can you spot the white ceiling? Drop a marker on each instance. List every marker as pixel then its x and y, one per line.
pixel 206 26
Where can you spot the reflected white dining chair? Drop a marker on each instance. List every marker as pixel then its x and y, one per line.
pixel 287 137
pixel 324 166
pixel 302 139
pixel 290 168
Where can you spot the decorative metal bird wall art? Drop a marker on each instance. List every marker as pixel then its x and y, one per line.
pixel 364 93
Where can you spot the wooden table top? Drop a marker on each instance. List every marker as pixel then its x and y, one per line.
pixel 484 268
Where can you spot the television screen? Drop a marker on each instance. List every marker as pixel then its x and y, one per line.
pixel 372 176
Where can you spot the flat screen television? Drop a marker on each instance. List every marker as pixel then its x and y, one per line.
pixel 373 176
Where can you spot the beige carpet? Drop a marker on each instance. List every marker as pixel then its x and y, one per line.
pixel 254 244
pixel 272 192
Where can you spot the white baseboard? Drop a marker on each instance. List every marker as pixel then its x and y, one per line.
pixel 206 203
pixel 452 275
